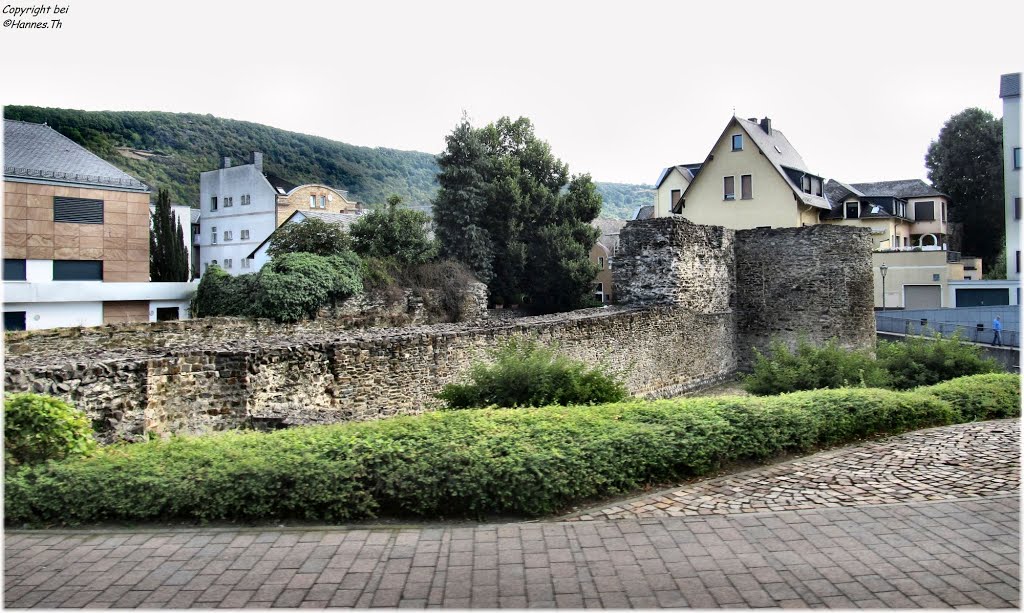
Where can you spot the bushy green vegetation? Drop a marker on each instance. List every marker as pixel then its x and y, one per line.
pixel 182 145
pixel 811 367
pixel 526 374
pixel 39 428
pixel 899 365
pixel 394 233
pixel 309 236
pixel 290 287
pixel 621 200
pixel 472 462
pixel 925 361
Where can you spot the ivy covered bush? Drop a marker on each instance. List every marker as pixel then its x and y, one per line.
pixel 529 461
pixel 526 374
pixel 39 428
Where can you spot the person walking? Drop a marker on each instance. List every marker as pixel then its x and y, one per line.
pixel 997 327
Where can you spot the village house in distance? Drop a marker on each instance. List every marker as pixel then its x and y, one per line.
pixel 76 238
pixel 241 206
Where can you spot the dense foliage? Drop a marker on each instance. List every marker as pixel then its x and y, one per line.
pixel 926 361
pixel 899 365
pixel 473 462
pixel 309 236
pixel 810 367
pixel 621 200
pixel 39 428
pixel 173 148
pixel 289 288
pixel 394 233
pixel 168 258
pixel 527 374
pixel 966 162
pixel 508 209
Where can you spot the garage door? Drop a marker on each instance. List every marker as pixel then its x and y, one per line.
pixel 922 296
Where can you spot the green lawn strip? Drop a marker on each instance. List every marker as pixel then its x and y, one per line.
pixel 474 462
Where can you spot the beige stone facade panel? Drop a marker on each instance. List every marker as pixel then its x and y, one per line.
pixel 68 192
pixel 115 231
pixel 40 237
pixel 39 253
pixel 90 253
pixel 90 230
pixel 110 208
pixel 125 312
pixel 15 251
pixel 42 212
pixel 16 227
pixel 13 199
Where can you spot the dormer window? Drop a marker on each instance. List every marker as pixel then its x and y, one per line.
pixel 737 142
pixel 852 209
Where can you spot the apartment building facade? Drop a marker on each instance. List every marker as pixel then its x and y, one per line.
pixel 1009 92
pixel 242 205
pixel 76 238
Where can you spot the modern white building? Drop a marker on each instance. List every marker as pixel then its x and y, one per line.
pixel 1009 91
pixel 76 238
pixel 241 206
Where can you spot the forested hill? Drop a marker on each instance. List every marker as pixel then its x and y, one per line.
pixel 169 150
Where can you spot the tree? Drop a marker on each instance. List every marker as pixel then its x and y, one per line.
pixel 310 236
pixel 394 234
pixel 966 162
pixel 508 209
pixel 168 258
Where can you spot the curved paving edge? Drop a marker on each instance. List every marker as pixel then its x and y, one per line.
pixel 972 460
pixel 919 554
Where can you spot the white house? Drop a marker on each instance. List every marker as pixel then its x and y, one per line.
pixel 241 206
pixel 1009 91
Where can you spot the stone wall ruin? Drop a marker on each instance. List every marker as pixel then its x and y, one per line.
pixel 698 298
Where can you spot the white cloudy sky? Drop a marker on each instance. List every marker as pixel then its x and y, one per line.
pixel 620 89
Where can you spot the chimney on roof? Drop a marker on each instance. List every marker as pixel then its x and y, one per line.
pixel 225 162
pixel 257 160
pixel 766 125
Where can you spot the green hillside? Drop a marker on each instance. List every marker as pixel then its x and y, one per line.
pixel 171 149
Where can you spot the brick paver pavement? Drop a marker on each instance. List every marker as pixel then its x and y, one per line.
pixel 947 463
pixel 932 554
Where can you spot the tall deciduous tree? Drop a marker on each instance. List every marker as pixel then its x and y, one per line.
pixel 966 162
pixel 508 209
pixel 168 258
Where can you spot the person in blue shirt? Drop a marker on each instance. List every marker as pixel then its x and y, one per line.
pixel 997 327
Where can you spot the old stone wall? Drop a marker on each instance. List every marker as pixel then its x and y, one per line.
pixel 699 299
pixel 813 282
pixel 368 374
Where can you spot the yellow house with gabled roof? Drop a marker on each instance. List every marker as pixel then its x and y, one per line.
pixel 753 178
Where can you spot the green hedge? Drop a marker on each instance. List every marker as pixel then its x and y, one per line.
pixel 473 462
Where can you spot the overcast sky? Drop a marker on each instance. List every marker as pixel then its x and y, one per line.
pixel 619 89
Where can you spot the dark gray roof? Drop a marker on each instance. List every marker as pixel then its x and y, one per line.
pixel 36 151
pixel 777 148
pixel 194 213
pixel 644 212
pixel 280 185
pixel 689 171
pixel 902 188
pixel 610 229
pixel 1009 85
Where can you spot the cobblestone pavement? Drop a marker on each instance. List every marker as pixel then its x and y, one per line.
pixel 952 462
pixel 932 554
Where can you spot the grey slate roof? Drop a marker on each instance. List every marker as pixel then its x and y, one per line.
pixel 644 212
pixel 280 185
pixel 777 148
pixel 610 229
pixel 689 171
pixel 36 151
pixel 902 188
pixel 1009 85
pixel 194 214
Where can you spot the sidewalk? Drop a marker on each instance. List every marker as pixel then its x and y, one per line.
pixel 932 554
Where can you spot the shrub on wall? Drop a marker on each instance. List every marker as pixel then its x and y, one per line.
pixel 525 374
pixel 39 428
pixel 810 367
pixel 919 361
pixel 473 462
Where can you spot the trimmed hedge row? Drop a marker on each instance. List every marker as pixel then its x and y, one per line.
pixel 473 462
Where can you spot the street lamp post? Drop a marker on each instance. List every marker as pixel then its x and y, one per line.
pixel 883 269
